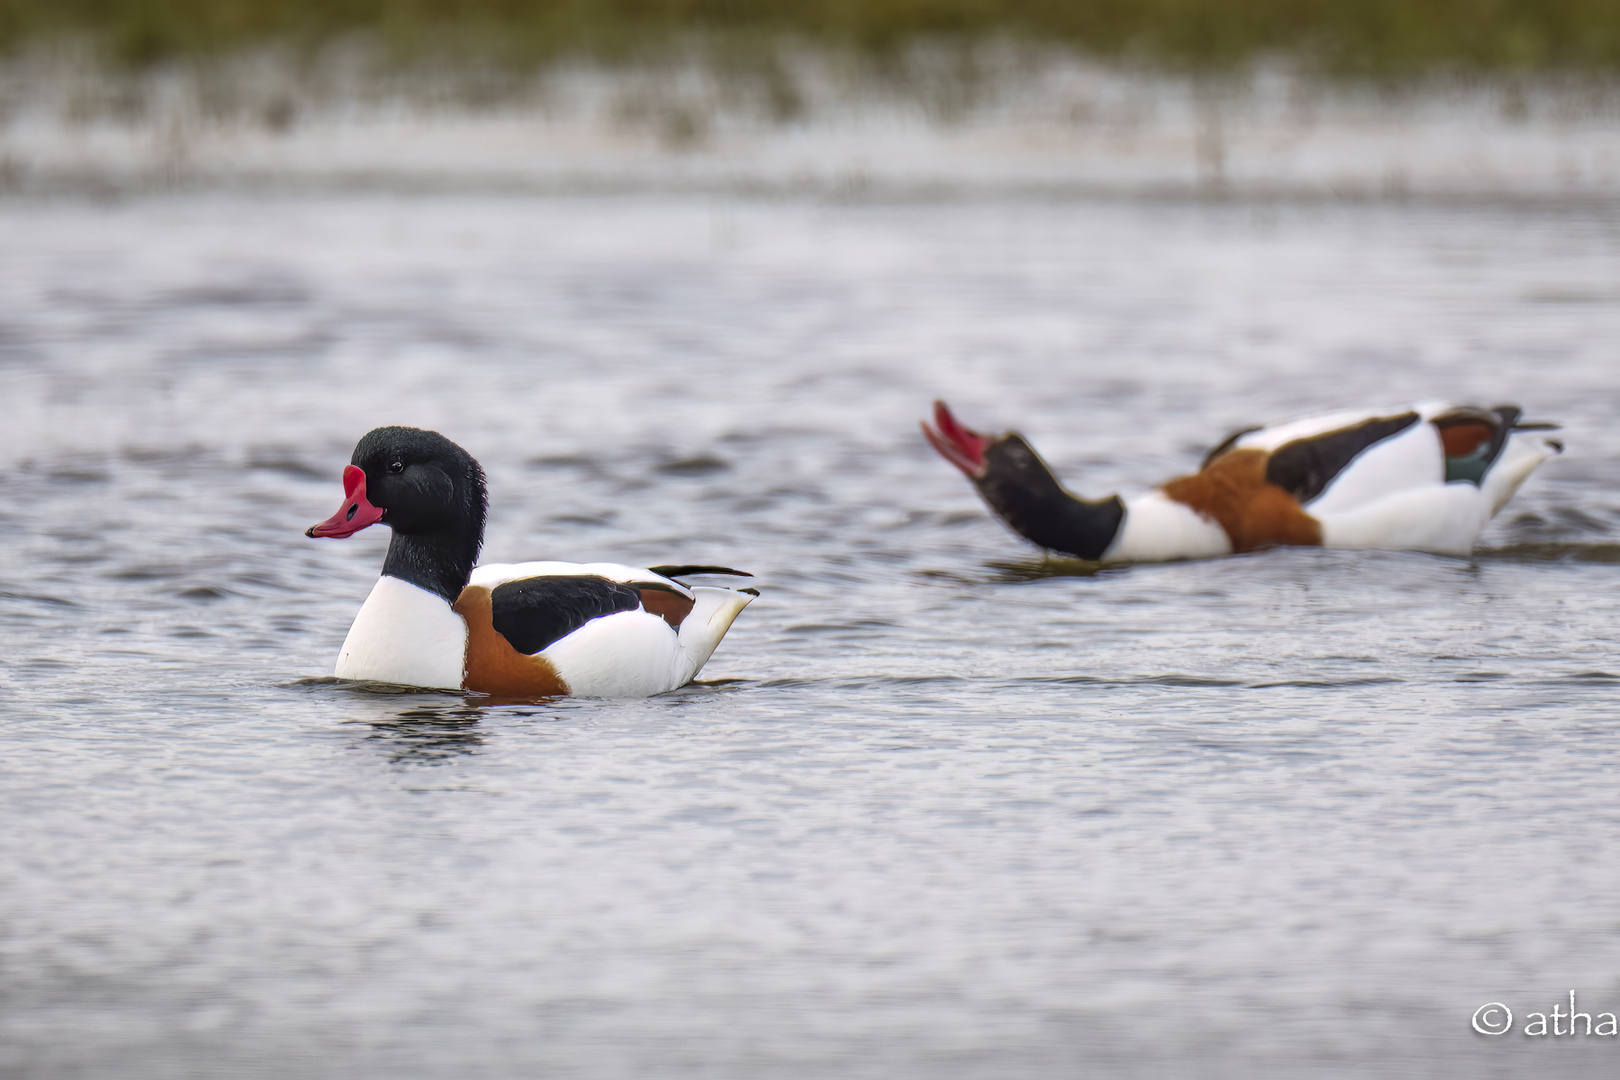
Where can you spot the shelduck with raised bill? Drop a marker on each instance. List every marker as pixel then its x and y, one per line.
pixel 1425 478
pixel 512 630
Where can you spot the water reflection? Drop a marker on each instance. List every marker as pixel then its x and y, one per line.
pixel 434 727
pixel 1553 551
pixel 1033 568
pixel 428 735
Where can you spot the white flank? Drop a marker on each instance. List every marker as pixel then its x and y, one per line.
pixel 1443 518
pixel 406 635
pixel 632 654
pixel 629 654
pixel 1159 529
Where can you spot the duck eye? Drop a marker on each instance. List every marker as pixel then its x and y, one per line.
pixel 397 467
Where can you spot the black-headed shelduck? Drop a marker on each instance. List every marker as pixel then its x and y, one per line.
pixel 1426 478
pixel 524 630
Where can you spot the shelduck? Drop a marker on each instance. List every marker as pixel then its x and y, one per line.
pixel 1426 478
pixel 522 630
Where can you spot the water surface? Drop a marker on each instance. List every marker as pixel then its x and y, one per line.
pixel 940 808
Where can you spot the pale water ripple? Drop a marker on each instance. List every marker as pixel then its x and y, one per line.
pixel 940 808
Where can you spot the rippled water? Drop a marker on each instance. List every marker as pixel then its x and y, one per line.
pixel 939 809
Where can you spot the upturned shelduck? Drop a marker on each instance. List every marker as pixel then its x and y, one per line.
pixel 1427 478
pixel 512 630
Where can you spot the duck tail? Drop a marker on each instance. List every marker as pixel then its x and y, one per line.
pixel 1526 447
pixel 713 611
pixel 1020 489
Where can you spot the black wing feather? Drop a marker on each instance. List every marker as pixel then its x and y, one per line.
pixel 683 571
pixel 531 613
pixel 1305 467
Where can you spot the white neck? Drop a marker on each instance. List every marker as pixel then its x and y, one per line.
pixel 1158 529
pixel 406 635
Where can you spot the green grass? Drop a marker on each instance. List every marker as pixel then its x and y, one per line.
pixel 1347 36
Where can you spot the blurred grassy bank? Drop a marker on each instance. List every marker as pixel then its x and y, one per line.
pixel 1352 37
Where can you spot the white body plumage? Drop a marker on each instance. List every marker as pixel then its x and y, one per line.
pixel 1392 495
pixel 407 635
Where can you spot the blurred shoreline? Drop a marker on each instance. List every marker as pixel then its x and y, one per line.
pixel 1003 119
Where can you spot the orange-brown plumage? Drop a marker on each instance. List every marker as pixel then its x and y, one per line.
pixel 493 666
pixel 666 603
pixel 1461 440
pixel 1233 491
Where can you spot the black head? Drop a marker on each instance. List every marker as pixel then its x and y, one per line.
pixel 420 480
pixel 429 491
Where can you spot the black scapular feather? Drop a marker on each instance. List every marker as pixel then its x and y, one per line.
pixel 684 571
pixel 532 613
pixel 1305 467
